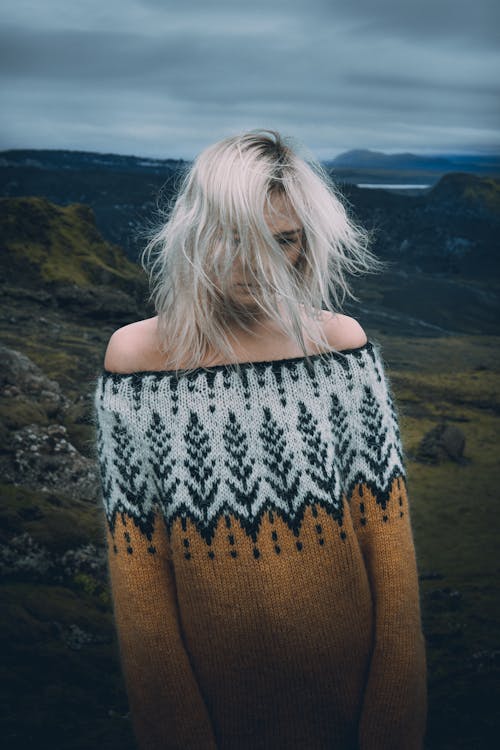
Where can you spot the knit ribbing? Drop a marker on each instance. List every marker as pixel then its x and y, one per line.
pixel 267 507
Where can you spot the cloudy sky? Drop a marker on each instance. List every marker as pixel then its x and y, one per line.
pixel 160 78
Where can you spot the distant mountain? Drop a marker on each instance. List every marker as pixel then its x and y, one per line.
pixel 54 159
pixel 364 164
pixel 365 159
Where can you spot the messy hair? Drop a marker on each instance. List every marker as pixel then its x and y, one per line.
pixel 217 217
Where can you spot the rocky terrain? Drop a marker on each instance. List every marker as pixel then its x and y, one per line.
pixel 65 288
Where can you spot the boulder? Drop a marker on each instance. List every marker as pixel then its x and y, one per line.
pixel 20 376
pixel 445 442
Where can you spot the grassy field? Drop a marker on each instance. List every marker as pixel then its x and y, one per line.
pixel 455 511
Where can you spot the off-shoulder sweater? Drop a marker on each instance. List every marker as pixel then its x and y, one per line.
pixel 261 556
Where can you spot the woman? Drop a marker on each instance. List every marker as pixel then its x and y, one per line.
pixel 261 556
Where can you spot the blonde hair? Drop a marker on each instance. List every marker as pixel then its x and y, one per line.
pixel 217 217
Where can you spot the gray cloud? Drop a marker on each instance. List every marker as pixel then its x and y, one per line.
pixel 164 79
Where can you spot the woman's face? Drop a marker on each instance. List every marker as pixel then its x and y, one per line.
pixel 288 232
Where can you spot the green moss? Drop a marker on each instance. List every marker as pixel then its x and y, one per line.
pixel 63 522
pixel 453 511
pixel 454 506
pixel 59 360
pixel 86 583
pixel 17 412
pixel 42 603
pixel 97 591
pixel 459 388
pixel 60 243
pixel 486 190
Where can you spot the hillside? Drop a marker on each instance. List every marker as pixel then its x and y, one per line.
pixel 122 200
pixel 451 231
pixel 43 243
pixel 364 165
pixel 58 159
pixel 476 197
pixel 57 254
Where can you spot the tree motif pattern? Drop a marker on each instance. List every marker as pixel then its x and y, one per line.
pixel 271 438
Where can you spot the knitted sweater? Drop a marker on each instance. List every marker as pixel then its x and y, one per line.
pixel 261 555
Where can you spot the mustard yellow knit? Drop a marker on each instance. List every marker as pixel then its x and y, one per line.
pixel 275 605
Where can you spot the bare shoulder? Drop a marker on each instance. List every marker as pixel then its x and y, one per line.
pixel 343 332
pixel 129 347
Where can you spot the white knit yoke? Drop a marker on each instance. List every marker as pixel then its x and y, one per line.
pixel 275 434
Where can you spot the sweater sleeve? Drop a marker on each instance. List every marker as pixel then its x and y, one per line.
pixel 166 706
pixel 394 711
